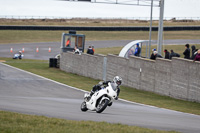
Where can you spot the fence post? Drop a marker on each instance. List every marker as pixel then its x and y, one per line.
pixel 104 68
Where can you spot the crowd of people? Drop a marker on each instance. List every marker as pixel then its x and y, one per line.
pixel 168 54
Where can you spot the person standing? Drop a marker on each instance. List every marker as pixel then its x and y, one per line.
pixel 68 42
pixel 173 54
pixel 197 57
pixel 194 52
pixel 137 50
pixel 93 49
pixel 152 55
pixel 167 54
pixel 20 55
pixel 156 55
pixel 186 53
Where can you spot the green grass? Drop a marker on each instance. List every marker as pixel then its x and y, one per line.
pixel 23 36
pixel 15 123
pixel 144 97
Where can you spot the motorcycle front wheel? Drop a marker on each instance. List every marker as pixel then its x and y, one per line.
pixel 102 106
pixel 84 107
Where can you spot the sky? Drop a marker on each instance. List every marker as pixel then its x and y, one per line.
pixel 66 9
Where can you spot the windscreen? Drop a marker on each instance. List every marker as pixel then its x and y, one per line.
pixel 114 86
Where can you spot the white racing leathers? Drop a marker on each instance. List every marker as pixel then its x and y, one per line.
pixel 100 99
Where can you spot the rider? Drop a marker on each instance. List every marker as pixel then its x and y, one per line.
pixel 20 54
pixel 116 80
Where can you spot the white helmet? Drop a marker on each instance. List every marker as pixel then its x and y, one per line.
pixel 117 80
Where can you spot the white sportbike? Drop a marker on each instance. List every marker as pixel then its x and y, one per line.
pixel 100 99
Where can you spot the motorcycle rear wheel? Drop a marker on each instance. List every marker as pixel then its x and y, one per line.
pixel 102 106
pixel 84 107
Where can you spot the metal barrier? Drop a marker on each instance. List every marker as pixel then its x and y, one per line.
pixel 171 28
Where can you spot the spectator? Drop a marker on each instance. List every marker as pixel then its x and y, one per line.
pixel 93 49
pixel 130 52
pixel 197 57
pixel 90 51
pixel 20 55
pixel 173 54
pixel 137 50
pixel 76 50
pixel 167 54
pixel 68 42
pixel 157 55
pixel 186 53
pixel 152 55
pixel 194 52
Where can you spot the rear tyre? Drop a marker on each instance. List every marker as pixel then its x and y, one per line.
pixel 83 107
pixel 102 106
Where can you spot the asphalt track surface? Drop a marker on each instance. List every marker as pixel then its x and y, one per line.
pixel 27 93
pixel 44 54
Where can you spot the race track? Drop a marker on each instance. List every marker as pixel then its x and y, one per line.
pixel 27 93
pixel 44 54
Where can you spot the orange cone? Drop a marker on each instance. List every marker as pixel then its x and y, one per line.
pixel 23 50
pixel 49 49
pixel 11 50
pixel 37 49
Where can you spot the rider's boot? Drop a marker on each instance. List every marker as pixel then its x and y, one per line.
pixel 110 104
pixel 91 93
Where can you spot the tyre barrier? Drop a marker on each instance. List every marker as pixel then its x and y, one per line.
pixel 171 28
pixel 53 62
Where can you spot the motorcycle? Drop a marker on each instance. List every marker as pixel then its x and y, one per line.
pixel 100 99
pixel 18 56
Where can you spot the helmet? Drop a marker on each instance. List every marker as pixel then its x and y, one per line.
pixel 154 49
pixel 117 80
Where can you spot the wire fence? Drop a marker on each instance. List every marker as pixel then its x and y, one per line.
pixel 125 18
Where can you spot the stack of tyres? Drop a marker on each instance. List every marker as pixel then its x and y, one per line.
pixel 53 62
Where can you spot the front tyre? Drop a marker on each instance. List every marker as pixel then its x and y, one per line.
pixel 102 106
pixel 83 107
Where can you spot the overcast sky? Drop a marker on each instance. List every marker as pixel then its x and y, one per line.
pixel 173 8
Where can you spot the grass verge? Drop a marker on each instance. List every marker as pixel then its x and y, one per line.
pixel 25 36
pixel 42 68
pixel 14 122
